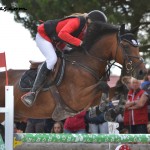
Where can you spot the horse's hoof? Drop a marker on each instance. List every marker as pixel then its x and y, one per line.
pixel 110 115
pixel 107 117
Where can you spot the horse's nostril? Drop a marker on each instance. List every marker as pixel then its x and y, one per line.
pixel 140 72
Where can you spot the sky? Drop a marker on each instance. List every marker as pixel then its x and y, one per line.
pixel 18 45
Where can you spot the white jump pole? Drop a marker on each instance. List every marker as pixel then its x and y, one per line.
pixel 9 117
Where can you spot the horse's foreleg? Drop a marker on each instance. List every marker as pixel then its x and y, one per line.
pixel 101 86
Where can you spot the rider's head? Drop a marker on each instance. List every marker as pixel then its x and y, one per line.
pixel 97 15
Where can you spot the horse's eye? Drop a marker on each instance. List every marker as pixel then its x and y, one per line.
pixel 126 47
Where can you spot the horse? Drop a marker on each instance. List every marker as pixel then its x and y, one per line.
pixel 85 67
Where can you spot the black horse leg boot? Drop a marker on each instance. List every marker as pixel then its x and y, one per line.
pixel 29 98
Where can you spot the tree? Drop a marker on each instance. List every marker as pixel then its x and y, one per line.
pixel 132 12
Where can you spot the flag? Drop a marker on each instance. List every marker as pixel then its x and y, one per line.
pixel 2 60
pixel 3 64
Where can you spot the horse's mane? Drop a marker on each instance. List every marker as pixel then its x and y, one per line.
pixel 97 30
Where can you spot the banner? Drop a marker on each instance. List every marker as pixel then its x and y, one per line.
pixel 2 60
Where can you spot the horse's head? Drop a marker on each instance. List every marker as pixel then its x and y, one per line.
pixel 105 42
pixel 133 63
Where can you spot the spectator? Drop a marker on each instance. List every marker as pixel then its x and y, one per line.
pixel 135 119
pixel 148 127
pixel 49 123
pixel 21 125
pixel 57 127
pixel 17 130
pixel 145 96
pixel 75 124
pixel 147 77
pixel 35 125
pixel 98 128
pixel 124 131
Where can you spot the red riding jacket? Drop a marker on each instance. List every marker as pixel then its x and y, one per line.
pixel 136 116
pixel 65 30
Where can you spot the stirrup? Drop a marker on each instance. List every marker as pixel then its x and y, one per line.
pixel 28 102
pixel 27 94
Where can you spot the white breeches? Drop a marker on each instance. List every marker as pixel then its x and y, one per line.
pixel 47 50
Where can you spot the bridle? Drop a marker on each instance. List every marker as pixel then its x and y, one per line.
pixel 129 66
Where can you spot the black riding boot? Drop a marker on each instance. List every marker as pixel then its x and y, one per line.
pixel 29 98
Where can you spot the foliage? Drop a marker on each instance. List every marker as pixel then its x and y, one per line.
pixel 132 12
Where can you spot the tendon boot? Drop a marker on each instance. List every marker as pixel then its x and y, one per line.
pixel 29 98
pixel 121 105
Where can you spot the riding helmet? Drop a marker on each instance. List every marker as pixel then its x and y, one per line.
pixel 97 15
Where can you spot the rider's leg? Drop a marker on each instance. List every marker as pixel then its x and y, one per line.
pixel 49 52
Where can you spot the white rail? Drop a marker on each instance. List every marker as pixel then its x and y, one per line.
pixel 9 117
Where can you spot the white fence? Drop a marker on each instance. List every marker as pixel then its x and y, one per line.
pixel 9 117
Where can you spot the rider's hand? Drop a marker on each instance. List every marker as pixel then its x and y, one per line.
pixel 81 43
pixel 67 47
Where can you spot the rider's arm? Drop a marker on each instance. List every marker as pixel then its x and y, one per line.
pixel 65 33
pixel 129 104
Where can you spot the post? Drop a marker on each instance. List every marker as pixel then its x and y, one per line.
pixel 9 117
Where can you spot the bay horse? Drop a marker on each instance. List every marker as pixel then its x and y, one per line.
pixel 84 71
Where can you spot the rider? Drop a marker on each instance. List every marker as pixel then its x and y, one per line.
pixel 56 33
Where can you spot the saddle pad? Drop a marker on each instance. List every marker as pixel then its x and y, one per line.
pixel 27 80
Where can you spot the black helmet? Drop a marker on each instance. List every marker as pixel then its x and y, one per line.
pixel 97 15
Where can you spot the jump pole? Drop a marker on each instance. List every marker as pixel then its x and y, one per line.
pixel 9 117
pixel 81 138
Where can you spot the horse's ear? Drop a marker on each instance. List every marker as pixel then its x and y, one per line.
pixel 135 29
pixel 122 29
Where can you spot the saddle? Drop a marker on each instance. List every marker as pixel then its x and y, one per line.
pixel 28 78
pixel 61 111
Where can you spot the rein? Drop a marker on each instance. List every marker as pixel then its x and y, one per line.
pixel 90 70
pixel 129 66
